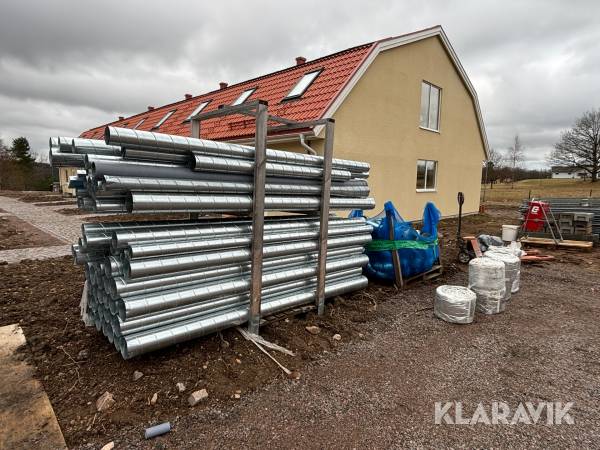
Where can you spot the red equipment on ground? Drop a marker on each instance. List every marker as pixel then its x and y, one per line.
pixel 536 217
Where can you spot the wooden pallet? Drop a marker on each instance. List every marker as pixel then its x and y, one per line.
pixel 431 274
pixel 566 244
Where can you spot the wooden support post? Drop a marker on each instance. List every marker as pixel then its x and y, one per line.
pixel 258 216
pixel 324 216
pixel 395 257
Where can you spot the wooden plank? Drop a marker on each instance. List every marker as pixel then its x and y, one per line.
pixel 27 419
pixel 476 248
pixel 577 245
pixel 395 256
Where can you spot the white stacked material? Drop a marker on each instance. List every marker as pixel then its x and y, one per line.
pixel 512 267
pixel 455 304
pixel 487 280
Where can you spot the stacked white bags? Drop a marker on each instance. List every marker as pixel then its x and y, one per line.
pixel 512 267
pixel 455 304
pixel 487 280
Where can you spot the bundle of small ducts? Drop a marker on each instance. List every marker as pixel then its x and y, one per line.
pixel 454 304
pixel 155 284
pixel 512 267
pixel 145 172
pixel 487 280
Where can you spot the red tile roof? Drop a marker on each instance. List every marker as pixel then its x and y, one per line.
pixel 337 69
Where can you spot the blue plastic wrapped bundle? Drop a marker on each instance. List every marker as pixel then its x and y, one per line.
pixel 418 251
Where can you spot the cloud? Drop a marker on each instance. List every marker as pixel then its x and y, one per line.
pixel 66 66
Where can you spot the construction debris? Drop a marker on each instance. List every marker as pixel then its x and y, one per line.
pixel 105 401
pixel 197 396
pixel 313 329
pixel 137 375
pixel 157 430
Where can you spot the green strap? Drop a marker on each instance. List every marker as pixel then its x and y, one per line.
pixel 382 245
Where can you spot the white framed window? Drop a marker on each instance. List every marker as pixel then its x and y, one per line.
pixel 164 119
pixel 199 108
pixel 301 86
pixel 430 106
pixel 243 97
pixel 426 175
pixel 137 125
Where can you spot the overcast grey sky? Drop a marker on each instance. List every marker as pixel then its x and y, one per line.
pixel 66 66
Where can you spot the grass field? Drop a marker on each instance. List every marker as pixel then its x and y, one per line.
pixel 539 188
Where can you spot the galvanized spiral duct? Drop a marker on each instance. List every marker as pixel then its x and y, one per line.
pixel 146 299
pixel 152 284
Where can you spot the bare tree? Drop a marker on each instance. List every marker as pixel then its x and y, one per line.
pixel 579 147
pixel 514 156
pixel 492 164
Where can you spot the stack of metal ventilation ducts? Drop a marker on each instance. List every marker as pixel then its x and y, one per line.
pixel 140 171
pixel 154 284
pixel 70 152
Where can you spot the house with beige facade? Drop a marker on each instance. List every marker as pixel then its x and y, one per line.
pixel 404 104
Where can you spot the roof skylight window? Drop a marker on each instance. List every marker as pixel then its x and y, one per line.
pixel 163 120
pixel 302 85
pixel 243 96
pixel 199 108
pixel 139 123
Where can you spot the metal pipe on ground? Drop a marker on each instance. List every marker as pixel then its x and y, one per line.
pixel 122 287
pixel 130 307
pixel 169 316
pixel 139 343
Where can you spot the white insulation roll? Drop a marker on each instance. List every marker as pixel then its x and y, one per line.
pixel 487 280
pixel 512 267
pixel 454 304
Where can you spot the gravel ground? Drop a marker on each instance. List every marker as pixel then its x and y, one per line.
pixel 374 388
pixel 380 391
pixel 16 233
